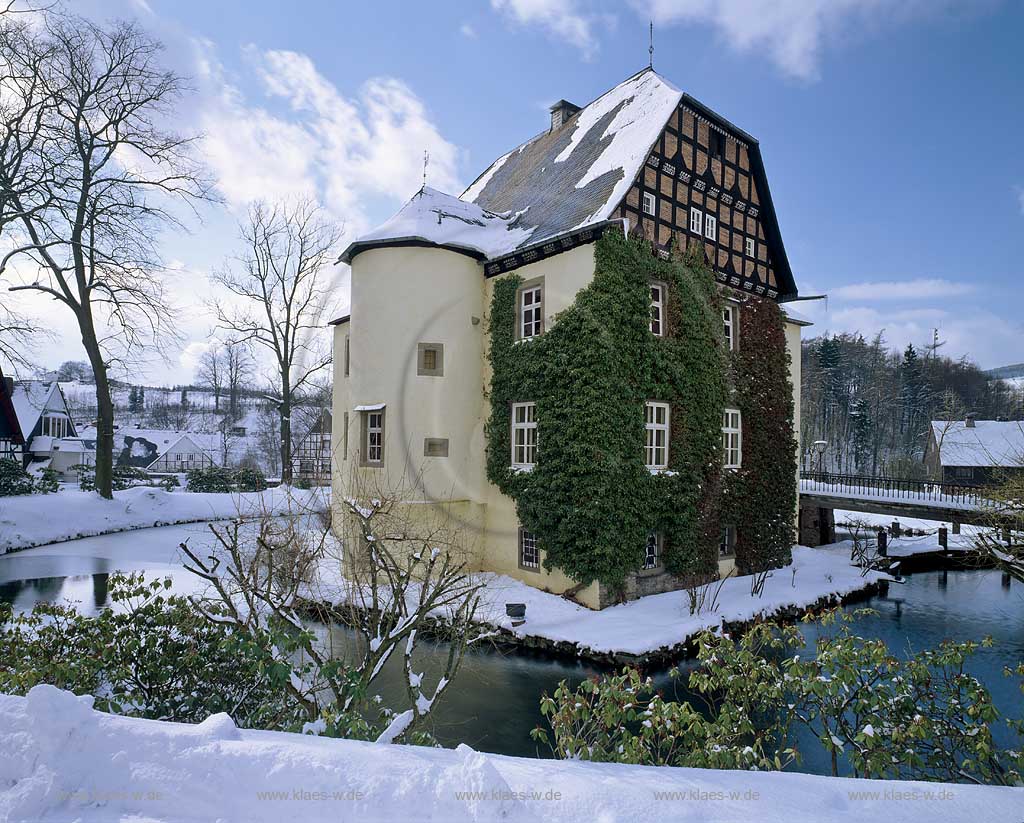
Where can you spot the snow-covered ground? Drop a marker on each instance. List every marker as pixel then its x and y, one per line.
pixel 912 544
pixel 39 519
pixel 62 761
pixel 663 621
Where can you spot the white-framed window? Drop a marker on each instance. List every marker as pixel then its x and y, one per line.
pixel 727 542
pixel 529 554
pixel 729 326
pixel 375 437
pixel 652 552
pixel 732 439
pixel 710 227
pixel 531 312
pixel 657 324
pixel 524 435
pixel 54 425
pixel 696 220
pixel 750 246
pixel 656 435
pixel 650 204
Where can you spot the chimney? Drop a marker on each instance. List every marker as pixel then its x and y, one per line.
pixel 562 111
pixel 969 422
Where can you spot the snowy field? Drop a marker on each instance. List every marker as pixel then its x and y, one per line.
pixel 40 519
pixel 62 761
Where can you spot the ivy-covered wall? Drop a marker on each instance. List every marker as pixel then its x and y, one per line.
pixel 590 499
pixel 760 498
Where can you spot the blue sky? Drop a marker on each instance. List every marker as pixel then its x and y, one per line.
pixel 890 129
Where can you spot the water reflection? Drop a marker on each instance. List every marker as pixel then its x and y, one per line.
pixel 494 703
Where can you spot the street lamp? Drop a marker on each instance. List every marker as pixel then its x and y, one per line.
pixel 819 447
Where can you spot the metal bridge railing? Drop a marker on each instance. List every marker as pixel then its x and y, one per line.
pixel 894 488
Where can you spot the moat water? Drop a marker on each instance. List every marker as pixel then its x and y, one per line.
pixel 494 703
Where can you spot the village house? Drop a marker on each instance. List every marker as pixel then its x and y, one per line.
pixel 311 458
pixel 974 452
pixel 412 373
pixel 12 440
pixel 159 450
pixel 51 440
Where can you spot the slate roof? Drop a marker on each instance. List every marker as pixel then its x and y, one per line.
pixel 989 443
pixel 565 179
pixel 31 398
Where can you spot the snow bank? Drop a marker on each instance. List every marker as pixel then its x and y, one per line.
pixel 663 621
pixel 38 519
pixel 63 761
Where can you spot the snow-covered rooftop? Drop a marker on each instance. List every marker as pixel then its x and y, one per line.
pixel 576 175
pixel 565 179
pixel 988 443
pixel 444 220
pixel 30 398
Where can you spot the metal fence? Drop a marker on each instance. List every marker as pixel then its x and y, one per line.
pixel 893 488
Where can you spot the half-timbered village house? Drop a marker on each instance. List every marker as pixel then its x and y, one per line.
pixel 415 373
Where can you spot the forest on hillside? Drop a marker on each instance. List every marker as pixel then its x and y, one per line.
pixel 873 404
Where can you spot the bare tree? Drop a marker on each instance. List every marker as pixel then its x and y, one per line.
pixel 96 180
pixel 266 576
pixel 282 278
pixel 238 371
pixel 212 371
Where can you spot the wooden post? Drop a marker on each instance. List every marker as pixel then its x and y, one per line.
pixel 895 528
pixel 956 527
pixel 1006 535
pixel 944 539
pixel 1006 580
pixel 883 543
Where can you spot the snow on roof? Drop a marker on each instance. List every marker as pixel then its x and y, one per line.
pixel 989 443
pixel 30 399
pixel 562 180
pixel 796 317
pixel 440 219
pixel 162 439
pixel 576 175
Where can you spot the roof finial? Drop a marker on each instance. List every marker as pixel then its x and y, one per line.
pixel 650 49
pixel 426 161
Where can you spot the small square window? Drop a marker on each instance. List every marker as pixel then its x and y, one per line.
pixel 657 324
pixel 727 542
pixel 696 220
pixel 750 246
pixel 649 203
pixel 652 551
pixel 710 227
pixel 430 359
pixel 529 553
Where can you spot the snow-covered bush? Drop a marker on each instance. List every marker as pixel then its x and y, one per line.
pixel 150 654
pixel 15 480
pixel 923 718
pixel 214 479
pixel 122 477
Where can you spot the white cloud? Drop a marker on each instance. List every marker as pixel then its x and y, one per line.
pixel 980 334
pixel 342 150
pixel 561 18
pixel 466 30
pixel 791 32
pixel 918 289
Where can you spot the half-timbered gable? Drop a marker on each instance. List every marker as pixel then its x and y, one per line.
pixel 703 182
